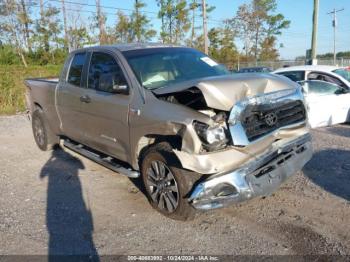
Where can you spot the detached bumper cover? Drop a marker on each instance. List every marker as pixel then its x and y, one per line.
pixel 259 177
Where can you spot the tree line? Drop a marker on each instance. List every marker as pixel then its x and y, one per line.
pixel 38 32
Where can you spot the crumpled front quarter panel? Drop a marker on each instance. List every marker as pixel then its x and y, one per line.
pixel 161 118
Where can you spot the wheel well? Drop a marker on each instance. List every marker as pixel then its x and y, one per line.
pixel 37 106
pixel 150 140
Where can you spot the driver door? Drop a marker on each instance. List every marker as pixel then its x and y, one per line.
pixel 105 112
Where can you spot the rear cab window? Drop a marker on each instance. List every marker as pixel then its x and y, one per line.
pixel 76 69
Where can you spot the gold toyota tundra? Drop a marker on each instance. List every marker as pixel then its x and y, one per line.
pixel 199 137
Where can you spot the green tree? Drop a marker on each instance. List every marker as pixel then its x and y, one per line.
pixel 8 55
pixel 268 50
pixel 79 37
pixel 175 20
pixel 195 6
pixel 48 28
pixel 256 22
pixel 221 45
pixel 122 28
pixel 140 24
pixel 26 22
pixel 11 27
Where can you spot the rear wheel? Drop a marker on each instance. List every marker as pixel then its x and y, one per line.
pixel 166 184
pixel 43 136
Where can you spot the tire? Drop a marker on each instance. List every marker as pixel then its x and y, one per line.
pixel 44 138
pixel 167 192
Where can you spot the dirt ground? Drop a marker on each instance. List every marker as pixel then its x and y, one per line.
pixel 61 203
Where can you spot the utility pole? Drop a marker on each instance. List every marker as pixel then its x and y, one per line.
pixel 66 39
pixel 101 23
pixel 42 10
pixel 205 28
pixel 138 36
pixel 334 13
pixel 314 34
pixel 194 6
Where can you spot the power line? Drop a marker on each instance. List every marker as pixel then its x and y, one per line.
pixel 130 10
pixel 95 12
pixel 103 6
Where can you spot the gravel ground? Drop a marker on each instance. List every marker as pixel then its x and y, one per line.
pixel 61 203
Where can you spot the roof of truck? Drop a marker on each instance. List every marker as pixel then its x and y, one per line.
pixel 134 46
pixel 128 47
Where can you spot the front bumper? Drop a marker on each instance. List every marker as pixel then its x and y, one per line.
pixel 259 177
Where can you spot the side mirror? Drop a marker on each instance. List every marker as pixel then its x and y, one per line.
pixel 341 91
pixel 108 83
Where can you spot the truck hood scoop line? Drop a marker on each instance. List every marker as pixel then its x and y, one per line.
pixel 223 92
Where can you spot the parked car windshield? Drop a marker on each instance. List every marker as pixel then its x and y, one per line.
pixel 160 67
pixel 343 73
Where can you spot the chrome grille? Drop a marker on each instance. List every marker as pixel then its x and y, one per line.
pixel 263 119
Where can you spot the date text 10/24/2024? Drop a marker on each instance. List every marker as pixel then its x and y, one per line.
pixel 173 258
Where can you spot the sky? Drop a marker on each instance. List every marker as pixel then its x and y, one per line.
pixel 296 39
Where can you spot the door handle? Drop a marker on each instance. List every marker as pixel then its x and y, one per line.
pixel 135 111
pixel 85 99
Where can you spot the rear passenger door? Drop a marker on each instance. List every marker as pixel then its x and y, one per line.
pixel 68 98
pixel 105 113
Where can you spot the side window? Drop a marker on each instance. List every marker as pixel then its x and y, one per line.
pixel 295 76
pixel 104 67
pixel 76 69
pixel 325 77
pixel 317 87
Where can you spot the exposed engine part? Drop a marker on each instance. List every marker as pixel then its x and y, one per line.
pixel 208 112
pixel 192 98
pixel 213 137
pixel 220 117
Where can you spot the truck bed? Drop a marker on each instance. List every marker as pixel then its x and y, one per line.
pixel 41 93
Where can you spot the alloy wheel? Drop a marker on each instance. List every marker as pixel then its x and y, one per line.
pixel 162 186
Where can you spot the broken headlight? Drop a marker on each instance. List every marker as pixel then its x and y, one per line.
pixel 212 137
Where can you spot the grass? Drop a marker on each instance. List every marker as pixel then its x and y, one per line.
pixel 12 88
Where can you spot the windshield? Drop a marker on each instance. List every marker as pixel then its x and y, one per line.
pixel 343 73
pixel 160 67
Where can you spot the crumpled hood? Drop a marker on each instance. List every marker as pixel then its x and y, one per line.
pixel 222 92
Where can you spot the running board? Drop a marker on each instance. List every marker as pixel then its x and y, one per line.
pixel 106 161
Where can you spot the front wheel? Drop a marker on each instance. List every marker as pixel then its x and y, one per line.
pixel 166 184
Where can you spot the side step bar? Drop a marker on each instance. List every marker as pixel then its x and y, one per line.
pixel 105 161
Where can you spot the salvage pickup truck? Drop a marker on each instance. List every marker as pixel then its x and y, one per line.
pixel 199 137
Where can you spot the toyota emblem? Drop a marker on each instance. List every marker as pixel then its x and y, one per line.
pixel 271 119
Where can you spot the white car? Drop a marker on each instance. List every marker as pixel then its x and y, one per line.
pixel 326 90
